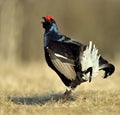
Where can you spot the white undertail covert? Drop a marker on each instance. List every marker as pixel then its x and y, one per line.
pixel 90 58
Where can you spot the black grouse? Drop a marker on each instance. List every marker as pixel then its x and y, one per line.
pixel 73 61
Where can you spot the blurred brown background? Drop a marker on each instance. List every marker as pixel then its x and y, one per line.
pixel 21 33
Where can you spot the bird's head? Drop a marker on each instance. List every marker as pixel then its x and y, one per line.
pixel 48 22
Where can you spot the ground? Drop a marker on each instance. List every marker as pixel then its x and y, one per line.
pixel 36 89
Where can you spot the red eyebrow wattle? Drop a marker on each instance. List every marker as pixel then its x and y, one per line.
pixel 48 17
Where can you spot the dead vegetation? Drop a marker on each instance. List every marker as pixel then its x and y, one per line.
pixel 36 89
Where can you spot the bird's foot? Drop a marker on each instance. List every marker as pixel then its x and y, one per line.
pixel 67 93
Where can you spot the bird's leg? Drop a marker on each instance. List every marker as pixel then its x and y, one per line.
pixel 67 92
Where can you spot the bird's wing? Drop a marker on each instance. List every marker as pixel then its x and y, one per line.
pixel 63 59
pixel 64 55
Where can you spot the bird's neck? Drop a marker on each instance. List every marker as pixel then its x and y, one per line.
pixel 52 29
pixel 52 34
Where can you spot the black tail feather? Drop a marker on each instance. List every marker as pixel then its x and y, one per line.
pixel 107 67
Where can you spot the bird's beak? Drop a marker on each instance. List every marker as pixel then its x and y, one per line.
pixel 43 19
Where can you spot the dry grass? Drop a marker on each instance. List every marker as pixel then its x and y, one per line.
pixel 36 89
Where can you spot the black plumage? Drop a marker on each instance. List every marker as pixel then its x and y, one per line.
pixel 73 61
